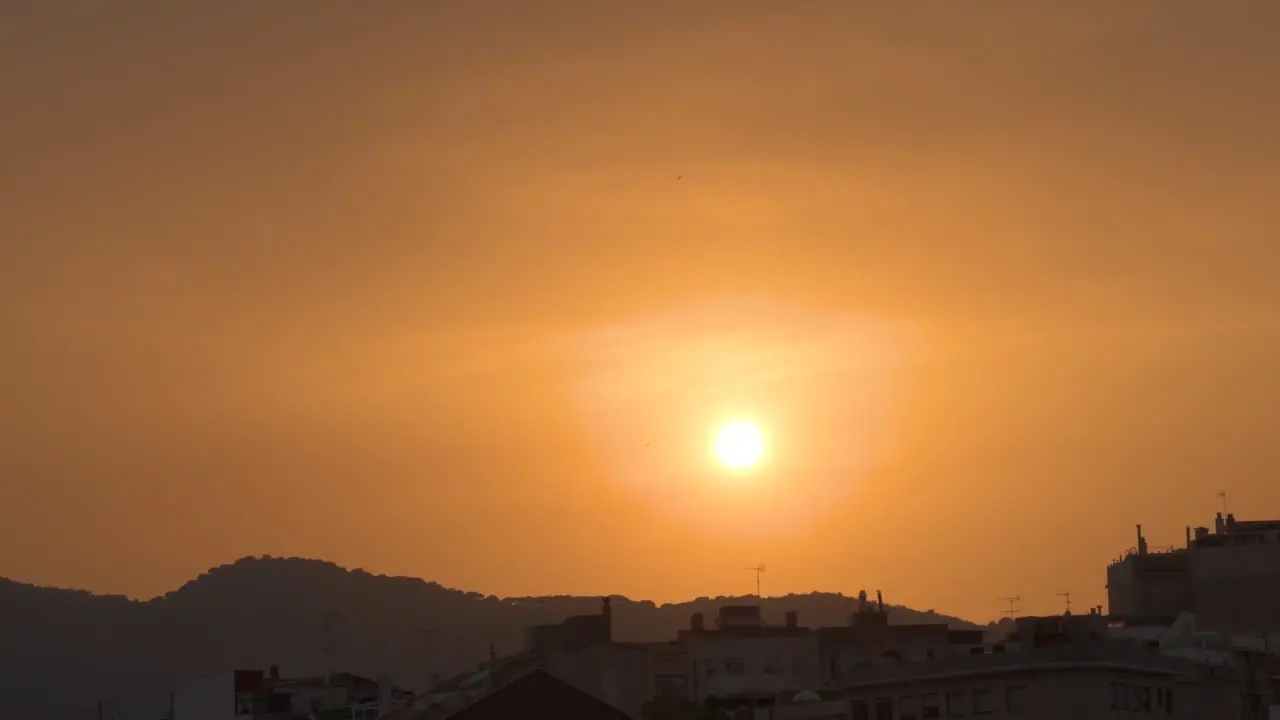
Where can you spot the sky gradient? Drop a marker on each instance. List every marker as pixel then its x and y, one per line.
pixel 461 290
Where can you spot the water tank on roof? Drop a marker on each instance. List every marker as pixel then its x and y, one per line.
pixel 806 696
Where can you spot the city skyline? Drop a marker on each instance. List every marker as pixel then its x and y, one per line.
pixel 466 291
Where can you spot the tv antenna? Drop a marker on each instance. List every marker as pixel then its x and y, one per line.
pixel 1066 597
pixel 1013 605
pixel 758 570
pixel 1222 494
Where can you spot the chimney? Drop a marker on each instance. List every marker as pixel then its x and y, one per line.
pixel 1188 536
pixel 793 618
pixel 273 672
pixel 607 611
pixel 1219 526
pixel 880 601
pixel 1142 542
pixel 697 622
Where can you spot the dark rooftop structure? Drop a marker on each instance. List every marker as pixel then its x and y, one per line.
pixel 573 633
pixel 1229 578
pixel 539 694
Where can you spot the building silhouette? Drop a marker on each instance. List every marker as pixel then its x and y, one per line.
pixel 1228 577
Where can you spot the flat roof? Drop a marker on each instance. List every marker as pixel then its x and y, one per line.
pixel 1124 657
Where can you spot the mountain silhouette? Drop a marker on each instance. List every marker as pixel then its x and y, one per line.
pixel 64 651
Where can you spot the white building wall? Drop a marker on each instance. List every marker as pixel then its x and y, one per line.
pixel 208 698
pixel 1049 695
pixel 731 664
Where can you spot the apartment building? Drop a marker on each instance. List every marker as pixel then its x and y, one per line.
pixel 870 640
pixel 1228 577
pixel 1064 667
pixel 241 694
pixel 742 656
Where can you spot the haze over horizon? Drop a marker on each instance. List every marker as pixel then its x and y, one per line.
pixel 463 291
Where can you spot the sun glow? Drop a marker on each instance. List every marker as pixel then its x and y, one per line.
pixel 739 445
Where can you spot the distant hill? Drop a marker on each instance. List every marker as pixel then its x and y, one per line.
pixel 61 651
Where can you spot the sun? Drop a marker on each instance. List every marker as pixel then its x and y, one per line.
pixel 740 445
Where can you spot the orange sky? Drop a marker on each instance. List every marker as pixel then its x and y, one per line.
pixel 413 286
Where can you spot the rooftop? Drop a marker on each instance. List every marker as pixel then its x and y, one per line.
pixel 1131 657
pixel 538 694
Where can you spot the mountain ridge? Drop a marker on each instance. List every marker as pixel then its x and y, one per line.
pixel 63 650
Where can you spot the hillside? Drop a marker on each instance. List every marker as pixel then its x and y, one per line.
pixel 63 650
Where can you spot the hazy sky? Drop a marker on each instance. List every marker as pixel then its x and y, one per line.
pixel 414 287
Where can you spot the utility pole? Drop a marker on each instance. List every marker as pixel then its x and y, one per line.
pixel 758 569
pixel 1013 605
pixel 1067 597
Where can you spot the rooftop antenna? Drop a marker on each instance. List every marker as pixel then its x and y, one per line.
pixel 1013 605
pixel 758 569
pixel 1223 495
pixel 1066 596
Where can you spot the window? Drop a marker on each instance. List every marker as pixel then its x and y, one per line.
pixel 859 711
pixel 1117 695
pixel 884 709
pixel 984 701
pixel 735 666
pixel 244 705
pixel 930 706
pixel 709 667
pixel 958 703
pixel 1015 699
pixel 772 665
pixel 909 708
pixel 1145 699
pixel 1168 701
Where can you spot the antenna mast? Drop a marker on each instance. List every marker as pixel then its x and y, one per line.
pixel 1223 495
pixel 1013 605
pixel 1066 596
pixel 758 569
